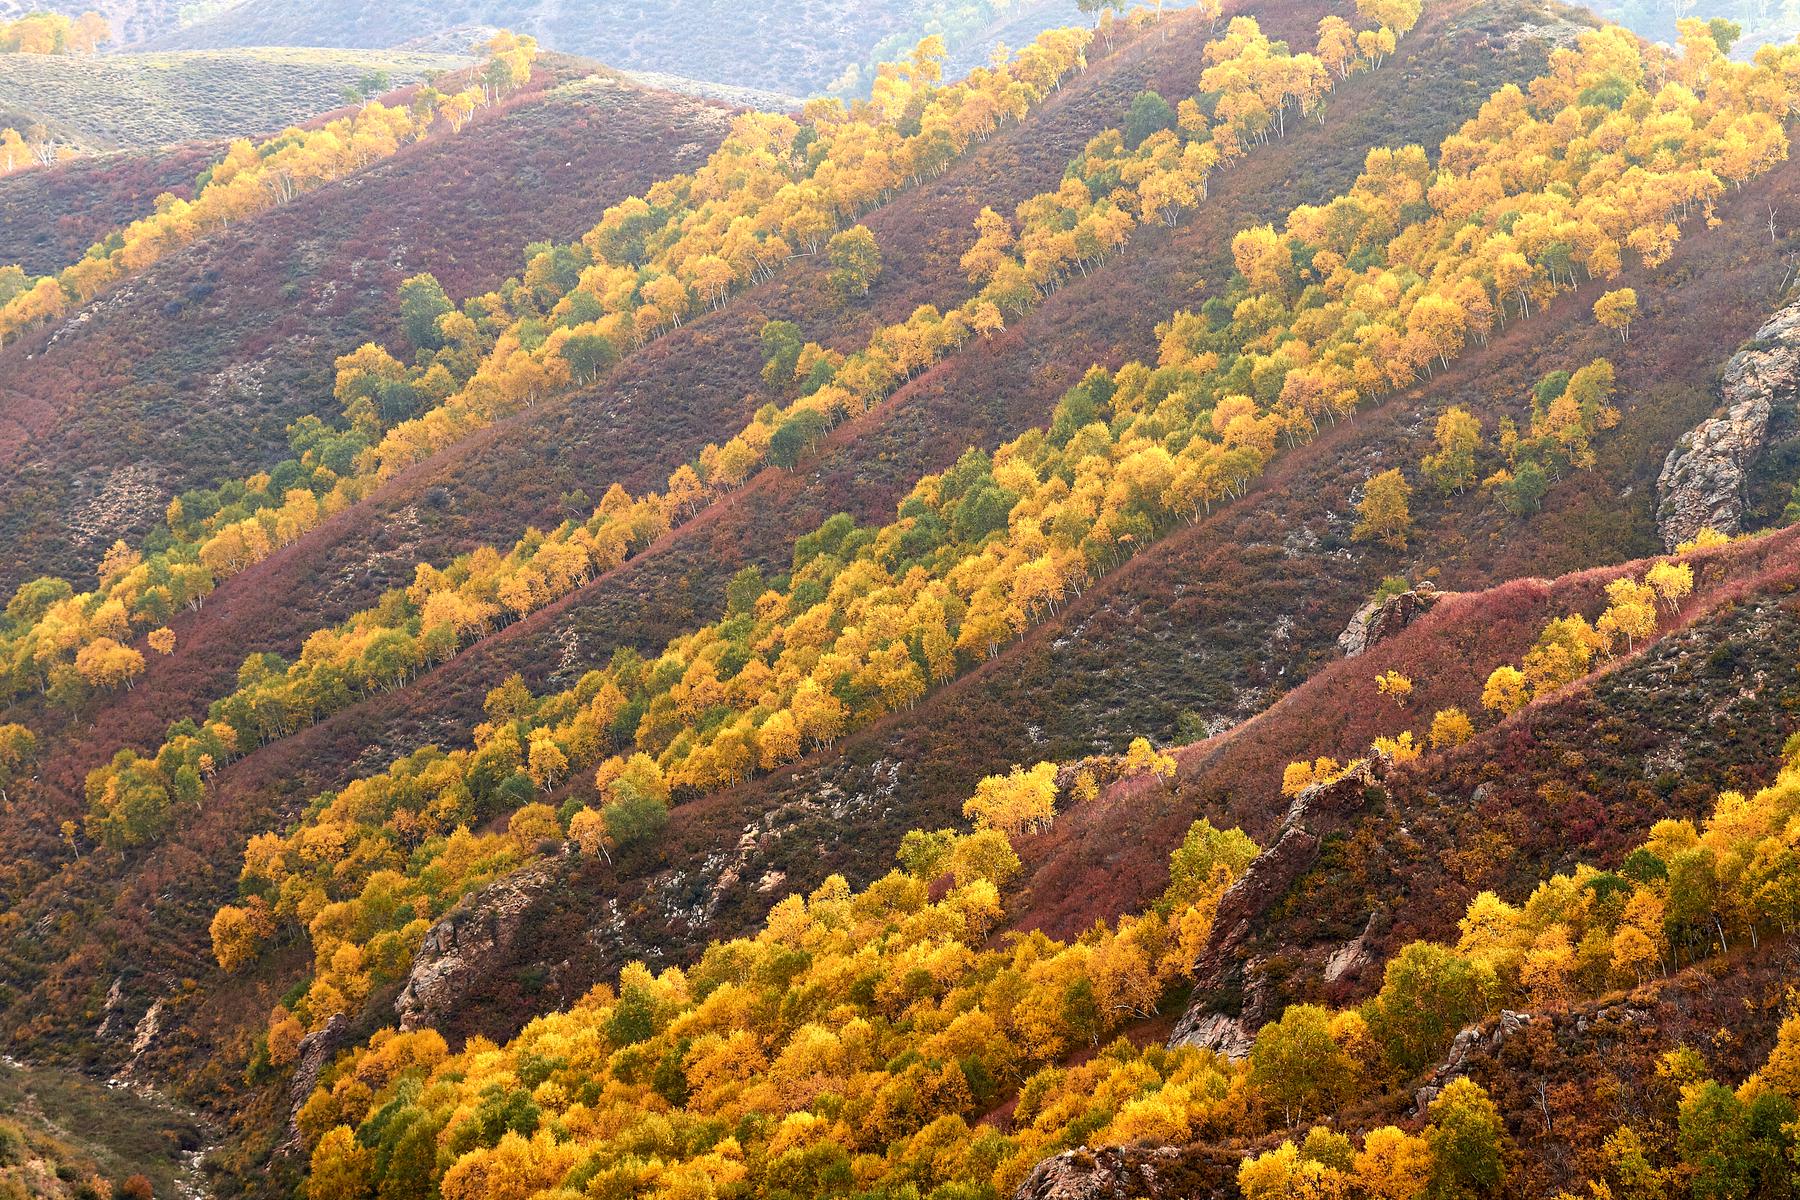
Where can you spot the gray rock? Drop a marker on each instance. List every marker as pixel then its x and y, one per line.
pixel 1352 956
pixel 1379 620
pixel 1317 812
pixel 468 943
pixel 317 1049
pixel 1702 480
pixel 1107 1174
pixel 1213 1031
pixel 1464 1047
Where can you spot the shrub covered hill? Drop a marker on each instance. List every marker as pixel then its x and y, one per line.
pixel 1202 610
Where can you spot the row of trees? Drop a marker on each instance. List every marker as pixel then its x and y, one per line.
pixel 868 619
pixel 1568 648
pixel 413 628
pixel 852 1045
pixel 54 33
pixel 1570 645
pixel 770 175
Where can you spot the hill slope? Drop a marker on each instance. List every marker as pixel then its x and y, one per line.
pixel 305 929
pixel 145 100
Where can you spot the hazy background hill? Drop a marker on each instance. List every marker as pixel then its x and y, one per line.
pixel 799 48
pixel 805 47
pixel 128 100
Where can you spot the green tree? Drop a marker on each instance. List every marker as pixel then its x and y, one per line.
pixel 781 343
pixel 1428 993
pixel 1149 113
pixel 1468 1142
pixel 1452 467
pixel 422 301
pixel 1202 851
pixel 794 435
pixel 1297 1066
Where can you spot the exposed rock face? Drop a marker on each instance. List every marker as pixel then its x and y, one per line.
pixel 1379 620
pixel 316 1050
pixel 1214 1031
pixel 1097 1175
pixel 1352 956
pixel 1319 811
pixel 1463 1048
pixel 1702 480
pixel 471 940
pixel 1485 1041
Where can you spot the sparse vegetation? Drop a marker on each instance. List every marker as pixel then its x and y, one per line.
pixel 151 99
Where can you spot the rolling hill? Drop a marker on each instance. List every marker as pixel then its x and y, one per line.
pixel 148 100
pixel 800 50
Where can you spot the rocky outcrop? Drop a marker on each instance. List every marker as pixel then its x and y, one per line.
pixel 1315 814
pixel 1379 620
pixel 1118 1173
pixel 1091 1175
pixel 1464 1047
pixel 1702 480
pixel 1352 956
pixel 1478 1042
pixel 471 941
pixel 317 1049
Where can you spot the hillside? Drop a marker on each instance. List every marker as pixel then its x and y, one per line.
pixel 205 386
pixel 147 100
pixel 1165 619
pixel 52 215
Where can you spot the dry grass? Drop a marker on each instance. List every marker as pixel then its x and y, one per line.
pixel 124 100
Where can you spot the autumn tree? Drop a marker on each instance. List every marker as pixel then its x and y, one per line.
pixel 1022 801
pixel 1505 691
pixel 1468 1142
pixel 855 260
pixel 1451 468
pixel 1382 513
pixel 18 748
pixel 1615 310
pixel 1450 728
pixel 1395 686
pixel 1297 1065
pixel 1428 993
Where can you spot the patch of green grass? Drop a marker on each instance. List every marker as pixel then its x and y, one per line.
pixel 122 1132
pixel 131 100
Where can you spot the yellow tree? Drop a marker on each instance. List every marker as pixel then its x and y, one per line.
pixel 1450 727
pixel 1382 514
pixel 1615 309
pixel 1505 691
pixel 1021 801
pixel 1452 466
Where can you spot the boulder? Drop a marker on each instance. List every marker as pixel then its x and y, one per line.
pixel 469 943
pixel 1702 480
pixel 1379 620
pixel 1317 812
pixel 1084 1175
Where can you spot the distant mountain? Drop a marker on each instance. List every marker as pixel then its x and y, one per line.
pixel 801 48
